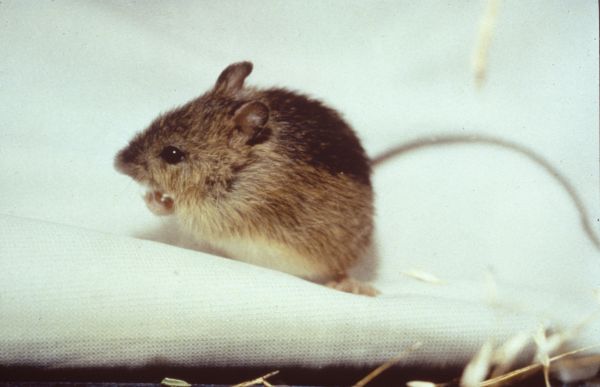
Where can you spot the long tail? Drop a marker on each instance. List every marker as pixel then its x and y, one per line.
pixel 425 142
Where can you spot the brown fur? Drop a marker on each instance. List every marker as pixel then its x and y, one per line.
pixel 272 172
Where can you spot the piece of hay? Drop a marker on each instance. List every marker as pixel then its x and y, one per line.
pixel 523 372
pixel 422 276
pixel 377 371
pixel 486 29
pixel 479 367
pixel 261 380
pixel 506 355
pixel 170 382
pixel 419 383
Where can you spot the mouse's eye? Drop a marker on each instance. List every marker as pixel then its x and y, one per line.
pixel 172 155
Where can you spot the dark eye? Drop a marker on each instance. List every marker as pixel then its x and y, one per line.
pixel 172 155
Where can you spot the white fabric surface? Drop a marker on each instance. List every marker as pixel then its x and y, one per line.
pixel 79 287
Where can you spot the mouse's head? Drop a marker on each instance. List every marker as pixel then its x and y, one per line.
pixel 194 151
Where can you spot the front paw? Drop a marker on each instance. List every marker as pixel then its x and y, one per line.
pixel 353 286
pixel 159 203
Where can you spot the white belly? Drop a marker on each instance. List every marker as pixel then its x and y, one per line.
pixel 273 256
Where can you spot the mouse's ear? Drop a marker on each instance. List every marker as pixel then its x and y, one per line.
pixel 250 118
pixel 232 78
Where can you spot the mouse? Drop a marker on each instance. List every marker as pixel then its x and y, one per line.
pixel 267 176
pixel 276 178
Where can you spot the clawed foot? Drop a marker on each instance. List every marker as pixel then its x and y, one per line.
pixel 353 286
pixel 159 203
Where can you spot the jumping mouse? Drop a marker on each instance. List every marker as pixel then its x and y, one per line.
pixel 275 178
pixel 266 176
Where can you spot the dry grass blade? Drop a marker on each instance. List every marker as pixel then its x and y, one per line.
pixel 486 30
pixel 170 382
pixel 512 376
pixel 546 371
pixel 530 369
pixel 419 383
pixel 261 380
pixel 377 371
pixel 479 367
pixel 422 276
pixel 573 352
pixel 544 348
pixel 505 356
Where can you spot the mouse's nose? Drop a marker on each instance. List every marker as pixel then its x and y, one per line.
pixel 127 155
pixel 126 160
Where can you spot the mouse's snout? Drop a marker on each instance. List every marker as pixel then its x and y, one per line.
pixel 123 160
pixel 127 155
pixel 128 161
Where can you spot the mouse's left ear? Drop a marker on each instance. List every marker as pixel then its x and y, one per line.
pixel 232 78
pixel 250 119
